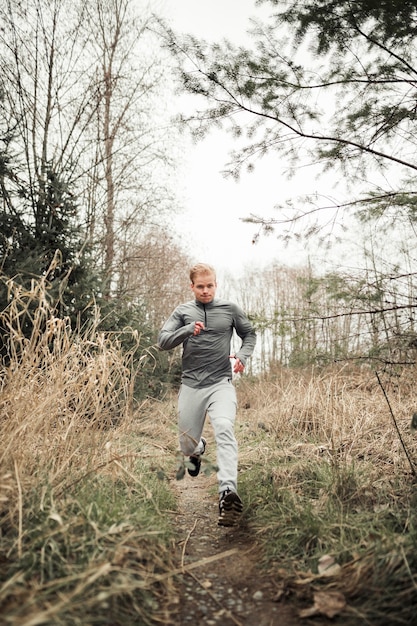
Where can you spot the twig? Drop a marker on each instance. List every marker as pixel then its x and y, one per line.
pixel 185 543
pixel 185 569
pixel 213 597
pixel 396 426
pixel 19 489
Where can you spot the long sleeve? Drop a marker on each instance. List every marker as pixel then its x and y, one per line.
pixel 174 331
pixel 247 334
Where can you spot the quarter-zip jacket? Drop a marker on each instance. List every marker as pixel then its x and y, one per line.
pixel 205 357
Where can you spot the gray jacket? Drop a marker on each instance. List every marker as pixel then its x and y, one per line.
pixel 205 357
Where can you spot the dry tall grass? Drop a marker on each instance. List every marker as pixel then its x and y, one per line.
pixel 85 524
pixel 328 469
pixel 83 539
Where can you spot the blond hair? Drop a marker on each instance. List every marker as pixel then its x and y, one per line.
pixel 201 268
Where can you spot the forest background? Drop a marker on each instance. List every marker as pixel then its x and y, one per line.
pixel 90 262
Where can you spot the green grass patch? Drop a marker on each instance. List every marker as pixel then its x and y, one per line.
pixel 96 555
pixel 302 509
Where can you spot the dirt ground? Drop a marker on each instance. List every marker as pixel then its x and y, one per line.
pixel 220 581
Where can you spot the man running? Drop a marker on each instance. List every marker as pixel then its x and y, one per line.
pixel 204 327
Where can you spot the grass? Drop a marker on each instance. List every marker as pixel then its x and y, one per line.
pixel 85 530
pixel 330 477
pixel 86 508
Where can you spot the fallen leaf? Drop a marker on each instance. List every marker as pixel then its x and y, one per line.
pixel 327 566
pixel 328 603
pixel 206 584
pixel 325 562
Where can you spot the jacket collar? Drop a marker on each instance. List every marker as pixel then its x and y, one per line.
pixel 205 306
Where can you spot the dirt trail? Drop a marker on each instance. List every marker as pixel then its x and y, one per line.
pixel 221 583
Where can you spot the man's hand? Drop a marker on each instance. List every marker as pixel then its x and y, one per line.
pixel 238 366
pixel 198 327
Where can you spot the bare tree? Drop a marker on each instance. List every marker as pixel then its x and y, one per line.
pixel 40 76
pixel 85 86
pixel 127 186
pixel 155 276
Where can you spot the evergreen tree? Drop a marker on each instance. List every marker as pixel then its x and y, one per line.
pixel 41 240
pixel 50 247
pixel 330 83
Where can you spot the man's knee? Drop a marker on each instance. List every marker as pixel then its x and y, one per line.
pixel 224 428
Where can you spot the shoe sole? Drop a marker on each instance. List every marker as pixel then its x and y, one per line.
pixel 196 461
pixel 231 510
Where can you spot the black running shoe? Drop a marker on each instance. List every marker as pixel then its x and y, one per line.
pixel 230 508
pixel 195 460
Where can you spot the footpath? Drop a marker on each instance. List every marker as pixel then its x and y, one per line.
pixel 220 580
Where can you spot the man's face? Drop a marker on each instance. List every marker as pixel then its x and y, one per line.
pixel 204 287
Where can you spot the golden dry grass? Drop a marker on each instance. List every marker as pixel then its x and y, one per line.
pixel 326 472
pixel 85 507
pixel 83 538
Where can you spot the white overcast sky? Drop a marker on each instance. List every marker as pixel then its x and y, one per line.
pixel 213 205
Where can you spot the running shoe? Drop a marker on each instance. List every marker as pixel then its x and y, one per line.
pixel 230 508
pixel 195 460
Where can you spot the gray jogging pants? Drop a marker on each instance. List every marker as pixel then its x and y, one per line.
pixel 219 403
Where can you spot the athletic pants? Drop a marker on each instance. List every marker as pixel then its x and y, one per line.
pixel 219 403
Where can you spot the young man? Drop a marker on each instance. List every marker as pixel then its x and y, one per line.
pixel 204 326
